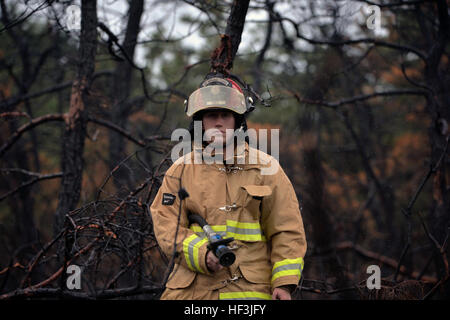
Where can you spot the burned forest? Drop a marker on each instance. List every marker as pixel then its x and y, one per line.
pixel 92 90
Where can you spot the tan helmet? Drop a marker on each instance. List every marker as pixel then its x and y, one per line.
pixel 216 93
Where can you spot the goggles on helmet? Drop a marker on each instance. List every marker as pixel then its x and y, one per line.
pixel 214 97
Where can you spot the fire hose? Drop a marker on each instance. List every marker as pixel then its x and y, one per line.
pixel 217 244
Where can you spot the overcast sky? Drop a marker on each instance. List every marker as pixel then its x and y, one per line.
pixel 168 14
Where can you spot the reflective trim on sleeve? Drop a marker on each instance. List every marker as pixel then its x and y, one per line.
pixel 190 248
pixel 287 267
pixel 245 295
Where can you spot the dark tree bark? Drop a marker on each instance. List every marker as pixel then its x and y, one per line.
pixel 120 92
pixel 438 107
pixel 223 57
pixel 433 21
pixel 22 204
pixel 315 203
pixel 257 72
pixel 382 210
pixel 76 118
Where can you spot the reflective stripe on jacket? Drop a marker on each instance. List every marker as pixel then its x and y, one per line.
pixel 260 212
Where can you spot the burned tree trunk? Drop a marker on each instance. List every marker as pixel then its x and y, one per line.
pixel 316 205
pixel 438 106
pixel 22 203
pixel 76 118
pixel 120 91
pixel 223 57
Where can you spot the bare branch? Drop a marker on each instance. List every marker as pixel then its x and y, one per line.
pixel 404 48
pixel 106 294
pixel 18 99
pixel 30 125
pixel 10 24
pixel 37 177
pixel 118 129
pixel 381 258
pixel 114 40
pixel 398 3
pixel 359 98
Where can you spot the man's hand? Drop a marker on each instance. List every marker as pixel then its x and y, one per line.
pixel 212 262
pixel 281 294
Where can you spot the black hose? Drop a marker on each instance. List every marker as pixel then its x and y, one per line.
pixel 195 218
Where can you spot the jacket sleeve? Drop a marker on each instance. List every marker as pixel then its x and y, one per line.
pixel 190 249
pixel 283 227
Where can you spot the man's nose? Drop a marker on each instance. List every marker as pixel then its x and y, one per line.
pixel 219 121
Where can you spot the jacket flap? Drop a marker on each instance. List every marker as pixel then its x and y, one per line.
pixel 255 273
pixel 258 191
pixel 180 277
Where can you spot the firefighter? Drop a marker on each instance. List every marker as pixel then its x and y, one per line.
pixel 260 211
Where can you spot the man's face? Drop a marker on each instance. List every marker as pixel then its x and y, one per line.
pixel 218 121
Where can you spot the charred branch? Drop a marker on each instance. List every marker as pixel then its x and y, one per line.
pixel 223 57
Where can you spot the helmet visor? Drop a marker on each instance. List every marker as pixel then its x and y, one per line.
pixel 213 97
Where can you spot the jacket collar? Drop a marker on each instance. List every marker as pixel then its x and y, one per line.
pixel 240 154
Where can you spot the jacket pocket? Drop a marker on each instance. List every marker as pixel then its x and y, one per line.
pixel 257 191
pixel 180 277
pixel 253 197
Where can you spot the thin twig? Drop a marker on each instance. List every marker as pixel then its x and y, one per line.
pixel 37 178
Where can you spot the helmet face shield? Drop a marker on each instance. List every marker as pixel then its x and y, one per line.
pixel 214 97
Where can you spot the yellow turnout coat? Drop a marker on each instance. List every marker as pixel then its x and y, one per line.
pixel 260 212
